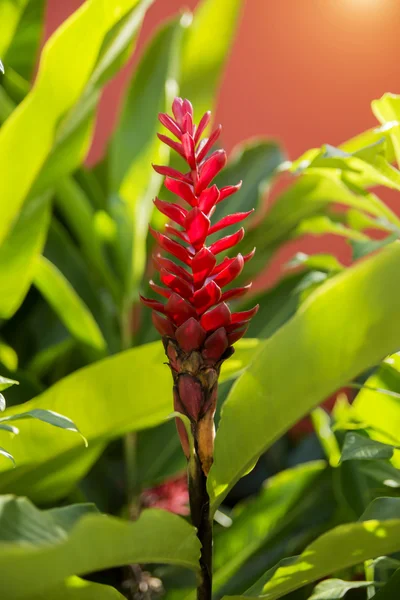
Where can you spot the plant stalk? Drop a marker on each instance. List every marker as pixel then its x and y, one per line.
pixel 200 513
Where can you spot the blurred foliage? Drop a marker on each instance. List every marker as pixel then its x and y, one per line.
pixel 74 254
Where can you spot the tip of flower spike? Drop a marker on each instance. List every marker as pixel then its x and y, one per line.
pixel 195 298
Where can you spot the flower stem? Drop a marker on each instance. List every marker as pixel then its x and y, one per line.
pixel 200 513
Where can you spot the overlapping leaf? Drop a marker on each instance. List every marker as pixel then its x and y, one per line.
pixel 320 354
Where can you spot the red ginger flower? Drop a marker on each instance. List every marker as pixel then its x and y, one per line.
pixel 197 327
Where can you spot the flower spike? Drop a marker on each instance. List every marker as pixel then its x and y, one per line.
pixel 195 321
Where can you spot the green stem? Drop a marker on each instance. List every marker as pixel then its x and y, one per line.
pixel 200 513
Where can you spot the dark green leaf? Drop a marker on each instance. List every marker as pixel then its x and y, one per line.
pixel 382 509
pixel 361 447
pixel 334 589
pixel 340 548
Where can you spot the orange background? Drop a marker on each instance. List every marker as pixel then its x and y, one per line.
pixel 302 71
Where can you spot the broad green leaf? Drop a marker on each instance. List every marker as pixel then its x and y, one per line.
pixel 76 588
pixel 66 66
pixel 361 221
pixel 277 305
pixel 75 133
pixel 366 166
pixel 45 547
pixel 213 27
pixel 61 250
pixel 22 53
pixel 9 428
pixel 6 383
pixel 19 253
pixel 340 548
pixel 127 392
pixel 360 447
pixel 6 454
pixel 371 136
pixel 322 225
pixel 71 310
pixel 382 509
pixel 79 214
pixel 364 247
pixel 309 196
pixel 391 589
pixel 47 416
pixel 135 147
pixel 259 519
pixel 334 589
pixel 10 15
pixel 376 406
pixel 265 402
pixel 387 111
pixel 322 262
pixel 385 562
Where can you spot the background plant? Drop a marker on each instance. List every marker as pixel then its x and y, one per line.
pixel 73 257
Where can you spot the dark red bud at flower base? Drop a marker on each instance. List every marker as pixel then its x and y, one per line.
pixel 196 324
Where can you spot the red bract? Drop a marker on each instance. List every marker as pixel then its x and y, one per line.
pixel 196 324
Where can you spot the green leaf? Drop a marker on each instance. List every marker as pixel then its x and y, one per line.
pixel 322 425
pixel 75 134
pixel 360 447
pixel 322 225
pixel 382 509
pixel 254 162
pixel 10 15
pixel 9 428
pixel 259 519
pixel 309 196
pixel 363 248
pixel 200 70
pixel 22 53
pixel 99 400
pixel 8 357
pixel 135 146
pixel 77 211
pixel 339 548
pixel 366 167
pixel 47 416
pixel 69 307
pixel 75 588
pixel 45 547
pixel 391 589
pixel 387 111
pixel 371 136
pixel 277 305
pixel 6 383
pixel 378 409
pixel 19 253
pixel 333 589
pixel 265 402
pixel 321 262
pixel 66 67
pixel 6 454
